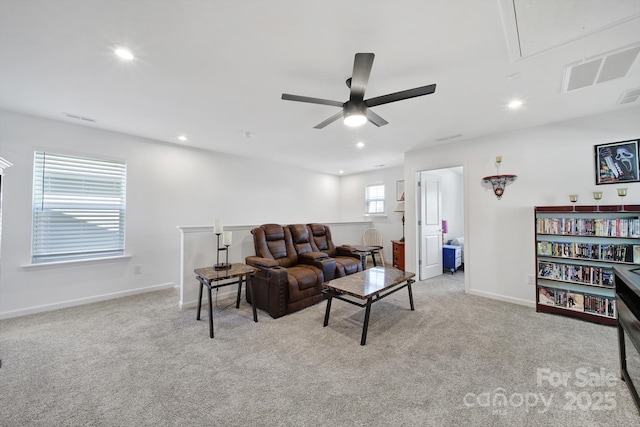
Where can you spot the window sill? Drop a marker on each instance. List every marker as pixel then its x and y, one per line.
pixel 45 265
pixel 375 215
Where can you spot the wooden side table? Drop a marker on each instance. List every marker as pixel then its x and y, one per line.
pixel 211 278
pixel 398 254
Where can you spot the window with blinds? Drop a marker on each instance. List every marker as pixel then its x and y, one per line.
pixel 374 199
pixel 78 208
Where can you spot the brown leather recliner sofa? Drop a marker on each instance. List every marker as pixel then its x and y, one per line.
pixel 293 262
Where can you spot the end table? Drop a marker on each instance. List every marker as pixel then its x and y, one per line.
pixel 211 278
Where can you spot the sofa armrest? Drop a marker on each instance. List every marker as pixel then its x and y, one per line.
pixel 345 250
pixel 256 261
pixel 349 251
pixel 270 286
pixel 325 263
pixel 313 256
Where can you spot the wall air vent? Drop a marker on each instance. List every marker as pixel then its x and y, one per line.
pixel 79 117
pixel 628 96
pixel 604 68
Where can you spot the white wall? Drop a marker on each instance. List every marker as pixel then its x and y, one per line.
pixel 167 186
pixel 551 162
pixel 352 204
pixel 170 186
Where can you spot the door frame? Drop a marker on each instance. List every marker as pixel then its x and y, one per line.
pixel 418 210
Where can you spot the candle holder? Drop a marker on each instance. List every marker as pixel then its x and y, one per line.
pixel 597 195
pixel 221 265
pixel 573 198
pixel 622 192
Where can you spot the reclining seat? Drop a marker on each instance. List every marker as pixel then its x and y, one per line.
pixel 302 242
pixel 348 261
pixel 283 283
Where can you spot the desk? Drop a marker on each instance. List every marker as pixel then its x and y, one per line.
pixel 627 282
pixel 211 279
pixel 367 250
pixel 371 285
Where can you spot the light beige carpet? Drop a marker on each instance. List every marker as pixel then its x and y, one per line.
pixel 458 360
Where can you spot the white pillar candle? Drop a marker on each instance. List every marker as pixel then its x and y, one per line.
pixel 226 238
pixel 217 228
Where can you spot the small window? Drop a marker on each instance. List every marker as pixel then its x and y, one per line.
pixel 374 199
pixel 78 208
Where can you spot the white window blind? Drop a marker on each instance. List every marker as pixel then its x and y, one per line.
pixel 374 199
pixel 78 208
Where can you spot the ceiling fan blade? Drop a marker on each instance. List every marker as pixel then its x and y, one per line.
pixel 329 120
pixel 361 70
pixel 288 97
pixel 399 96
pixel 376 119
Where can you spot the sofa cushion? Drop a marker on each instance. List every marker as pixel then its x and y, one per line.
pixel 321 236
pixel 347 265
pixel 301 239
pixel 303 281
pixel 347 260
pixel 273 241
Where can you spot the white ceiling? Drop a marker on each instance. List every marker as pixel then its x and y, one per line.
pixel 215 70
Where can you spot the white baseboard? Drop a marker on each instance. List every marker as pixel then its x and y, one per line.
pixel 511 300
pixel 81 301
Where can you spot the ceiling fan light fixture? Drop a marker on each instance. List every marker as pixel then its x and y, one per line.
pixel 354 114
pixel 355 119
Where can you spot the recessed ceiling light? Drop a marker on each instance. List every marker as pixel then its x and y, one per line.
pixel 124 53
pixel 360 144
pixel 341 172
pixel 182 138
pixel 516 103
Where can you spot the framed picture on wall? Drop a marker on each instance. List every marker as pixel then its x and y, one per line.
pixel 617 162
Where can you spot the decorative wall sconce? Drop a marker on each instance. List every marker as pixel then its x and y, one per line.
pixel 497 181
pixel 218 229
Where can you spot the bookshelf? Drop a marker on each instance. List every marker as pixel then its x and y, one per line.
pixel 576 250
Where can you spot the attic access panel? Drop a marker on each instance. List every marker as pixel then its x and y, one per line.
pixel 532 27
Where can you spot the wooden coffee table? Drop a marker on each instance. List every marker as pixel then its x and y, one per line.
pixel 369 285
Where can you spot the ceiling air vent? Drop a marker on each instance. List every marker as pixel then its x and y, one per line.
pixel 610 66
pixel 630 95
pixel 79 117
pixel 446 138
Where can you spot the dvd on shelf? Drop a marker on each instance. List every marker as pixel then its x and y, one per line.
pixel 576 301
pixel 576 250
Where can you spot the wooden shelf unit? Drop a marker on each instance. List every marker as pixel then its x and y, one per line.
pixel 576 248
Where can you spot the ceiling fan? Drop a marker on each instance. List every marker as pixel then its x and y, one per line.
pixel 356 110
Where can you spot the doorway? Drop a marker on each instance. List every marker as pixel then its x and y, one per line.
pixel 440 198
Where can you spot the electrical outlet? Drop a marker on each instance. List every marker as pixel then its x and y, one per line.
pixel 531 279
pixel 137 269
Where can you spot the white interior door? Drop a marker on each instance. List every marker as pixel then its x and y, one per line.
pixel 430 226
